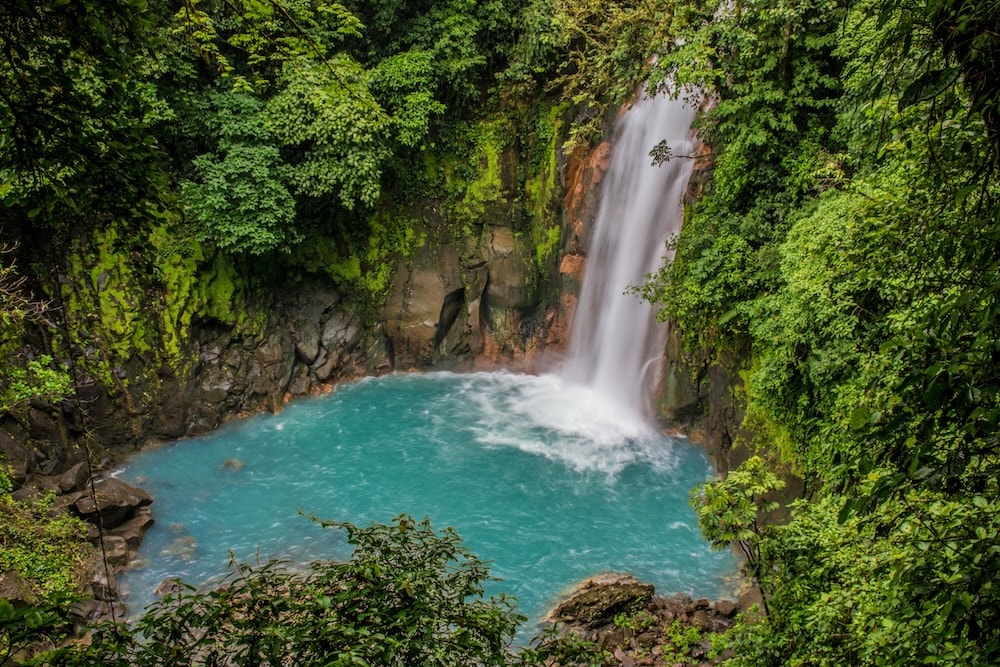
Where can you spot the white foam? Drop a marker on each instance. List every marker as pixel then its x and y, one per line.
pixel 550 416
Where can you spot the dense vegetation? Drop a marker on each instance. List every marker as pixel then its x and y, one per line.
pixel 48 553
pixel 408 596
pixel 846 248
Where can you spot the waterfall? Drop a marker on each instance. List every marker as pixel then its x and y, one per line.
pixel 615 341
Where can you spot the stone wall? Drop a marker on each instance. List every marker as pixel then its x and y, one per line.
pixel 704 397
pixel 452 307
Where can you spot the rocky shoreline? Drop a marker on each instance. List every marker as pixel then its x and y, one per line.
pixel 631 626
pixel 117 516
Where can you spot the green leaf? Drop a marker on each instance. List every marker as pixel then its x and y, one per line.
pixel 859 418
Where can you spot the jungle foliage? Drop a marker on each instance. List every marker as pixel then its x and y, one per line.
pixel 46 558
pixel 408 595
pixel 847 246
pixel 144 144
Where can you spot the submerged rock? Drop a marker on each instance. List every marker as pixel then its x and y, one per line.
pixel 233 464
pixel 171 586
pixel 182 547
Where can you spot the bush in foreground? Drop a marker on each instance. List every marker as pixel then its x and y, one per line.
pixel 408 596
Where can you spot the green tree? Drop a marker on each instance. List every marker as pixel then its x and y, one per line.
pixel 75 114
pixel 44 560
pixel 26 376
pixel 773 73
pixel 50 553
pixel 24 629
pixel 731 511
pixel 240 197
pixel 346 96
pixel 854 262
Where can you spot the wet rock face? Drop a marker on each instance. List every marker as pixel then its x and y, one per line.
pixel 454 307
pixel 311 339
pixel 414 313
pixel 497 289
pixel 703 394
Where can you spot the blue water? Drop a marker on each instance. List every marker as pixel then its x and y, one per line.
pixel 541 478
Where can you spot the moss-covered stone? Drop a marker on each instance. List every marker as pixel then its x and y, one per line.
pixel 364 268
pixel 600 599
pixel 120 309
pixel 485 193
pixel 541 187
pixel 104 305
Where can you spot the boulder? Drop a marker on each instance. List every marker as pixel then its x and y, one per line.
pixel 725 608
pixel 215 387
pixel 328 367
pixel 110 503
pixel 74 479
pixel 19 459
pixel 172 586
pixel 413 309
pixel 701 619
pixel 340 332
pixel 412 312
pixel 115 550
pixel 134 529
pixel 104 588
pixel 510 283
pixel 14 588
pixel 301 381
pixel 306 336
pixel 45 425
pixel 598 600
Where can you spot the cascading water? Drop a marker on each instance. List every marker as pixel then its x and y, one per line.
pixel 615 339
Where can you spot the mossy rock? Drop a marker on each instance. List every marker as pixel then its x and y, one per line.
pixel 597 601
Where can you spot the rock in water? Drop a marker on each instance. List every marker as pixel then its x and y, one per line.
pixel 598 600
pixel 233 464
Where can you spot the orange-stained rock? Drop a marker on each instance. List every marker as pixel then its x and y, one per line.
pixel 561 317
pixel 572 265
pixel 584 172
